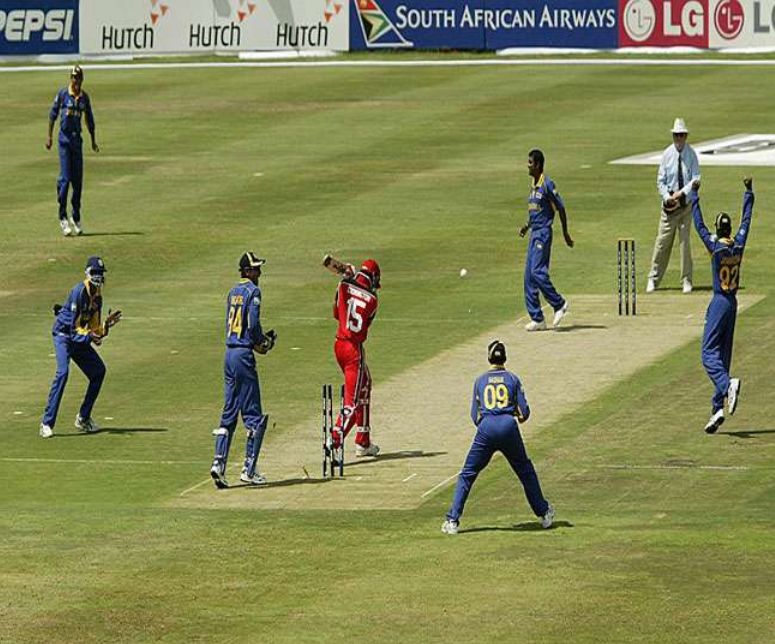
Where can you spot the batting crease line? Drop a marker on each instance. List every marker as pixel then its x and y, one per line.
pixel 489 62
pixel 438 485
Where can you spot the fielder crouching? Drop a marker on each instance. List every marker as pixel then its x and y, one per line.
pixel 498 405
pixel 78 325
pixel 355 306
pixel 242 390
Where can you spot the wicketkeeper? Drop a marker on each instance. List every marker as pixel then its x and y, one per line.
pixel 242 390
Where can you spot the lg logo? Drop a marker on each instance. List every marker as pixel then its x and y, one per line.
pixel 729 18
pixel 639 19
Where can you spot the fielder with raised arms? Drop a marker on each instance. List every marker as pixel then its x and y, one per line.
pixel 726 256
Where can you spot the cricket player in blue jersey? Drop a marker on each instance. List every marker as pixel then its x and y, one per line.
pixel 70 104
pixel 242 391
pixel 726 254
pixel 498 404
pixel 543 202
pixel 78 325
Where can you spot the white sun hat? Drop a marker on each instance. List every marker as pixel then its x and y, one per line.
pixel 679 126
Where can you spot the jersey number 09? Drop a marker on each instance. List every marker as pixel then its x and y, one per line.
pixel 496 396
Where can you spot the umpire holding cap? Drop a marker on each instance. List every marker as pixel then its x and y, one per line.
pixel 678 169
pixel 498 405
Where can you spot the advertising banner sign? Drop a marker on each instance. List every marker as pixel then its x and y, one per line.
pixel 482 24
pixel 742 23
pixel 190 26
pixel 34 27
pixel 551 23
pixel 663 23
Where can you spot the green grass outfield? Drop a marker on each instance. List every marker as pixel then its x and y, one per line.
pixel 424 169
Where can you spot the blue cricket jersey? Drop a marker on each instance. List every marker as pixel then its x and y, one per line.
pixel 70 107
pixel 498 392
pixel 80 314
pixel 543 202
pixel 243 310
pixel 726 254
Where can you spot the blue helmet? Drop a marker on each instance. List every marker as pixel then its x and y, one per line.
pixel 95 271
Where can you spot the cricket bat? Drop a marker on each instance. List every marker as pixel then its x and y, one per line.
pixel 339 268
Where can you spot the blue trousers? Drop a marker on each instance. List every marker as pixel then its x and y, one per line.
pixel 537 278
pixel 70 173
pixel 89 361
pixel 242 396
pixel 498 434
pixel 717 344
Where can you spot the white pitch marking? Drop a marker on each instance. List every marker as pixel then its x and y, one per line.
pixel 108 418
pixel 409 478
pixel 258 174
pixel 676 466
pixel 586 166
pixel 52 259
pixel 194 487
pixel 18 413
pixel 295 348
pixel 438 485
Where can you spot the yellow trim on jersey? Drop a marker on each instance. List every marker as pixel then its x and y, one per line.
pixel 540 182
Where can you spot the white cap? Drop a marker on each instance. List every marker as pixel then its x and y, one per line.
pixel 679 126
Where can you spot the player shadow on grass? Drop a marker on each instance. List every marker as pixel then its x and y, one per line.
pixel 118 233
pixel 281 483
pixel 392 456
pixel 115 430
pixel 747 433
pixel 526 526
pixel 578 327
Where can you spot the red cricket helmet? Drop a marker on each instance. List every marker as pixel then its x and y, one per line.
pixel 370 269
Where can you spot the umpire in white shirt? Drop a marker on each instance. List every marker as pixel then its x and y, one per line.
pixel 679 168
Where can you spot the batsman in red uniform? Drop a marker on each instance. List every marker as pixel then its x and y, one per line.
pixel 355 306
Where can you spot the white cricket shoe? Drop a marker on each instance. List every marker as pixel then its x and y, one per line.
pixel 536 326
pixel 371 450
pixel 65 226
pixel 77 230
pixel 687 287
pixel 450 527
pixel 256 479
pixel 548 518
pixel 651 286
pixel 559 314
pixel 733 394
pixel 716 420
pixel 45 431
pixel 218 474
pixel 86 425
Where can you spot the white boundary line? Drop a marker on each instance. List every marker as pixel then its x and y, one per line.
pixel 487 62
pixel 677 466
pixel 86 461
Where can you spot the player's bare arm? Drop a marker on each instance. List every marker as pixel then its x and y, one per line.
pixel 565 233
